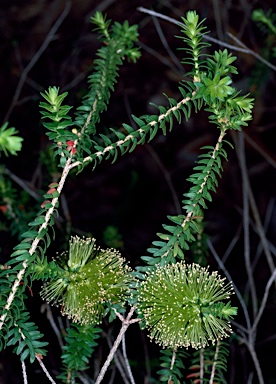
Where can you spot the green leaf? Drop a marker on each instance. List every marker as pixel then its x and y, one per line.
pixel 22 246
pixel 9 142
pixel 20 252
pixel 29 234
pixel 24 355
pixel 37 221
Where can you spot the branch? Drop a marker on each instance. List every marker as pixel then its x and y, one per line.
pixel 125 324
pixel 35 58
pixel 245 49
pixel 45 369
pixel 35 243
pixel 264 300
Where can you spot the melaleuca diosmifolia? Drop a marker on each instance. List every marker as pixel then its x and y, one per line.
pixel 118 42
pixel 65 135
pixel 171 296
pixel 211 86
pixel 203 315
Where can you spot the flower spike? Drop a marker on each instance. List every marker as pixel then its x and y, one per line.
pixel 181 306
pixel 89 280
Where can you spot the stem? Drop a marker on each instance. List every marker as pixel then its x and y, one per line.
pixel 216 149
pixel 35 243
pixel 51 319
pixel 25 378
pixel 36 57
pixel 244 48
pixel 172 365
pixel 214 364
pixel 125 324
pixel 134 134
pixel 119 362
pixel 245 190
pixel 45 369
pixel 256 362
pixel 126 360
pixel 265 297
pixel 201 371
pixel 227 274
pixel 260 229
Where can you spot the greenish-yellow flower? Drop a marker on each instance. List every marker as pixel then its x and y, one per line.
pixel 90 278
pixel 182 306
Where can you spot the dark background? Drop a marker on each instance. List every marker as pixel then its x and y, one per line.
pixel 138 192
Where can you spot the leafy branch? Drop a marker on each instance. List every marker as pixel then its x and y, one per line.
pixel 80 345
pixel 182 305
pixel 65 142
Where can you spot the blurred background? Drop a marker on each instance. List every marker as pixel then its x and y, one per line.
pixel 47 43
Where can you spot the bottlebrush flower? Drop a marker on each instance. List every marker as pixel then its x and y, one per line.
pixel 181 305
pixel 87 279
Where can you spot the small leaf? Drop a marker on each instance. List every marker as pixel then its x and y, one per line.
pixel 37 221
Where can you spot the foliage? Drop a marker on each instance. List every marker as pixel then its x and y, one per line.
pixel 172 365
pixel 25 333
pixel 266 23
pixel 209 363
pixel 17 215
pixel 80 344
pixel 182 305
pixel 60 122
pixel 9 142
pixel 118 44
pixel 267 19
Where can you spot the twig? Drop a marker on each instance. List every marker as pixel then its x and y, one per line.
pixel 250 52
pixel 271 246
pixel 158 161
pixel 260 230
pixel 264 300
pixel 23 184
pixel 172 364
pixel 232 244
pixel 253 143
pixel 212 376
pixel 218 18
pixel 227 274
pixel 167 177
pixel 245 196
pixel 118 360
pixel 211 39
pixel 25 378
pixel 161 58
pixel 256 362
pixel 125 324
pixel 35 243
pixel 201 369
pixel 147 359
pixel 83 379
pixel 267 219
pixel 35 58
pixel 49 315
pixel 163 39
pixel 45 370
pixel 126 360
